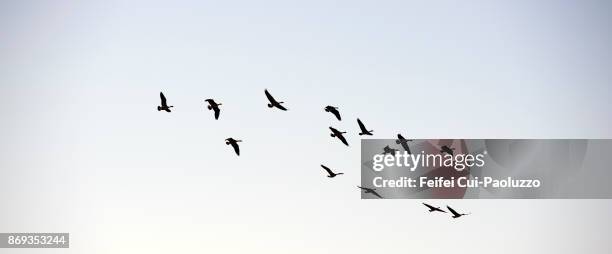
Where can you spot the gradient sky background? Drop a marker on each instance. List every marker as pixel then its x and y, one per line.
pixel 84 150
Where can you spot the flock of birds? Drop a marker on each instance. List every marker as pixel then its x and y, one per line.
pixel 273 103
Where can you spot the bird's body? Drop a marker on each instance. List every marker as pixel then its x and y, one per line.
pixel 433 208
pixel 364 130
pixel 234 144
pixel 369 190
pixel 455 213
pixel 389 150
pixel 330 173
pixel 333 110
pixel 403 142
pixel 446 149
pixel 338 134
pixel 212 105
pixel 273 102
pixel 164 105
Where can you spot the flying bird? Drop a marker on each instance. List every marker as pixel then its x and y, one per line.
pixel 212 105
pixel 433 208
pixel 446 149
pixel 333 110
pixel 404 142
pixel 389 150
pixel 371 191
pixel 338 134
pixel 364 130
pixel 273 102
pixel 455 213
pixel 234 143
pixel 330 173
pixel 164 106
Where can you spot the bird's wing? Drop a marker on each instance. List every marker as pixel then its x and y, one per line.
pixel 163 99
pixel 400 137
pixel 278 105
pixel 336 113
pixel 376 194
pixel 430 207
pixel 217 111
pixel 327 169
pixel 341 137
pixel 270 98
pixel 453 211
pixel 236 148
pixel 361 126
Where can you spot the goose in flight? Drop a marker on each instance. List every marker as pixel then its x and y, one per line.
pixel 273 102
pixel 234 143
pixel 404 142
pixel 164 106
pixel 446 149
pixel 338 134
pixel 212 105
pixel 455 213
pixel 364 130
pixel 389 150
pixel 333 110
pixel 369 190
pixel 433 208
pixel 330 173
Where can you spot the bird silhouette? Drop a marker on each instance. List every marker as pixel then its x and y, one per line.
pixel 333 110
pixel 273 102
pixel 338 134
pixel 212 105
pixel 404 142
pixel 433 208
pixel 164 106
pixel 446 149
pixel 364 130
pixel 389 150
pixel 330 173
pixel 455 213
pixel 369 190
pixel 234 143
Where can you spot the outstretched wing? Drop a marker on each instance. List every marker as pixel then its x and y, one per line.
pixel 236 148
pixel 375 194
pixel 361 126
pixel 217 111
pixel 455 213
pixel 341 137
pixel 163 99
pixel 327 169
pixel 278 105
pixel 336 113
pixel 429 206
pixel 270 98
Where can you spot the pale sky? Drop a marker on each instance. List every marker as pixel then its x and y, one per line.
pixel 85 151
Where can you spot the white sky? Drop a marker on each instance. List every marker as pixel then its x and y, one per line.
pixel 85 151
